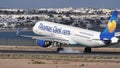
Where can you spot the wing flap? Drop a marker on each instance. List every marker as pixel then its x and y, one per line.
pixel 61 40
pixel 47 38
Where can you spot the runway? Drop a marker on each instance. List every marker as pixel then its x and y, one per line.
pixel 95 59
pixel 68 51
pixel 94 53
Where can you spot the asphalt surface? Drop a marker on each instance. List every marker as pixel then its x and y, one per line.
pixel 94 53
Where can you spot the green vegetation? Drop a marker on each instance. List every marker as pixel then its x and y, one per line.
pixel 37 62
pixel 82 65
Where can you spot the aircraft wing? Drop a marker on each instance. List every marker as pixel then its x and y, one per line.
pixel 61 40
pixel 47 38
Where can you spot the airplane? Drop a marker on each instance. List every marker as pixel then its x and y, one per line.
pixel 54 34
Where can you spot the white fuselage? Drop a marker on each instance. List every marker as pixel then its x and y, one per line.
pixel 85 37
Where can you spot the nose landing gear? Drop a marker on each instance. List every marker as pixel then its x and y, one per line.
pixel 60 48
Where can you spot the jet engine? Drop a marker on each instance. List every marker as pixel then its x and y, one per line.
pixel 44 43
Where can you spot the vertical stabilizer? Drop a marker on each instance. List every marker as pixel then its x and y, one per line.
pixel 110 29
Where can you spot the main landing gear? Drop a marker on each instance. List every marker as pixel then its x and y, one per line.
pixel 87 50
pixel 60 48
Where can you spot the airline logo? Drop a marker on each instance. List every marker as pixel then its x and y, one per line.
pixel 54 29
pixel 111 26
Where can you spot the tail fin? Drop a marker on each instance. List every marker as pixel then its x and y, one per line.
pixel 110 29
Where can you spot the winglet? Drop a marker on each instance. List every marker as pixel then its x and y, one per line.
pixel 18 30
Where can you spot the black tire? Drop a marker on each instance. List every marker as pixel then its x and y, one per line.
pixel 87 50
pixel 59 49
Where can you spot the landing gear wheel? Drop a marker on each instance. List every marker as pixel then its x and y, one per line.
pixel 59 49
pixel 87 50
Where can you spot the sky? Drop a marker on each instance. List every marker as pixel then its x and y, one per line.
pixel 59 3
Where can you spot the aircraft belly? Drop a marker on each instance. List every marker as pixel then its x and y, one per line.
pixel 82 41
pixel 89 42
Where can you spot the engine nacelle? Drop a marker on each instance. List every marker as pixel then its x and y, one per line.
pixel 44 43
